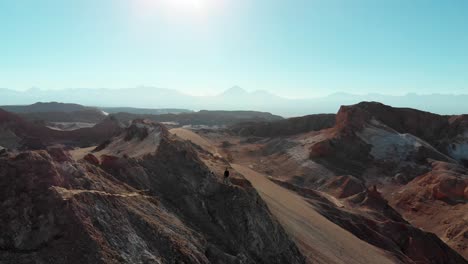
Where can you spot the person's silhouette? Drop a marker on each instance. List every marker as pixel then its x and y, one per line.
pixel 226 176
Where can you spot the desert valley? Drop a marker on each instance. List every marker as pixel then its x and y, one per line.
pixel 369 184
pixel 233 132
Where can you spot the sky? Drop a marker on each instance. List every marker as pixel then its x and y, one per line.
pixel 293 48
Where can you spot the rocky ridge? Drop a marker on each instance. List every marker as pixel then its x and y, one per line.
pixel 162 207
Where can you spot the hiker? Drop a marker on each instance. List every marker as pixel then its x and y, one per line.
pixel 226 176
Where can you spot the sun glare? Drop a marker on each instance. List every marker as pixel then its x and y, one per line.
pixel 175 5
pixel 197 14
pixel 187 3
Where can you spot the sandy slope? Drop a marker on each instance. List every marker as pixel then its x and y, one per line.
pixel 79 153
pixel 196 139
pixel 319 239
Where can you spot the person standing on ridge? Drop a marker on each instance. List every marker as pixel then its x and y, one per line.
pixel 226 176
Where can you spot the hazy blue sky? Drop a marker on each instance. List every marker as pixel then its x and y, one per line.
pixel 289 47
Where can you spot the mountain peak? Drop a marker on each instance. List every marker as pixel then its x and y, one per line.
pixel 235 91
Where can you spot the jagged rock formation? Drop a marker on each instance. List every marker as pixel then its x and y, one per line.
pixel 344 186
pixel 438 131
pixel 393 139
pixel 140 138
pixel 437 201
pixel 162 207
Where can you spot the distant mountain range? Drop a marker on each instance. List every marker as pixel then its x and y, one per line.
pixel 234 98
pixel 48 107
pixel 50 113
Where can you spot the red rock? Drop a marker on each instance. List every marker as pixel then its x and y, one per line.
pixel 59 154
pixel 91 159
pixel 344 186
pixel 109 161
pixel 321 149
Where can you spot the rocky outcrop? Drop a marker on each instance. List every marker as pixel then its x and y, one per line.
pixel 342 153
pixel 139 129
pixel 446 182
pixel 447 134
pixel 91 159
pixel 425 125
pixel 344 186
pixel 369 136
pixel 140 138
pixel 437 201
pixel 59 154
pixel 322 149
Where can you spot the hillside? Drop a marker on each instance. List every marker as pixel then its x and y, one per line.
pixel 286 127
pixel 415 160
pixel 319 220
pixel 54 112
pixel 15 132
pixel 45 107
pixel 162 207
pixel 204 117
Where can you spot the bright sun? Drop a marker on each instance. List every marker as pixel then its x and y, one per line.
pixel 187 3
pixel 176 9
pixel 174 5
